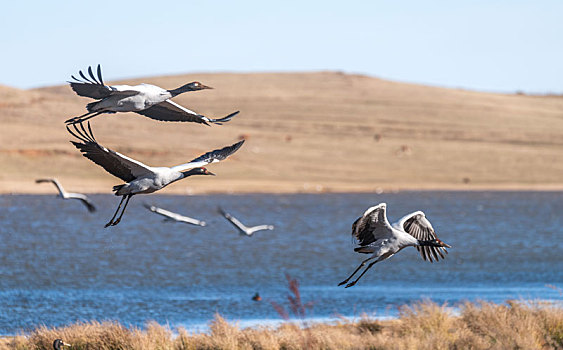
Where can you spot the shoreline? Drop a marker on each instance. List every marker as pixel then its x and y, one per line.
pixel 310 189
pixel 204 327
pixel 423 325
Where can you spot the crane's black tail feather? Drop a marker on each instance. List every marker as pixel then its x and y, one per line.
pixel 90 106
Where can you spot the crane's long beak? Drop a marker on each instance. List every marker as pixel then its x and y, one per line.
pixel 205 87
pixel 67 344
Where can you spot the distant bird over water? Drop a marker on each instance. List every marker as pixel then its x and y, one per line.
pixel 67 195
pixel 249 231
pixel 59 343
pixel 257 297
pixel 377 237
pixel 145 99
pixel 170 216
pixel 141 178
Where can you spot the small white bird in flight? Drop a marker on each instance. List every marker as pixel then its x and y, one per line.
pixel 170 216
pixel 377 237
pixel 67 195
pixel 141 178
pixel 249 231
pixel 146 99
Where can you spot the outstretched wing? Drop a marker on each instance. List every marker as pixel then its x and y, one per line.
pixel 210 157
pixel 160 211
pixel 123 167
pixel 372 226
pixel 169 111
pixel 90 87
pixel 416 225
pixel 260 228
pixel 95 88
pixel 56 183
pixel 85 200
pixel 236 223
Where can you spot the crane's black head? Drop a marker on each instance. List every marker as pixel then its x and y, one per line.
pixel 193 86
pixel 59 343
pixel 197 171
pixel 196 85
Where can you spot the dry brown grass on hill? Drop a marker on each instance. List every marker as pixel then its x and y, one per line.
pixel 517 325
pixel 306 132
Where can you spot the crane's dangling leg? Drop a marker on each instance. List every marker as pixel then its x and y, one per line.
pixel 82 117
pixel 357 279
pixel 114 215
pixel 123 210
pixel 355 271
pixel 91 116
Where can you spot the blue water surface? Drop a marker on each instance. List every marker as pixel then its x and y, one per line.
pixel 58 264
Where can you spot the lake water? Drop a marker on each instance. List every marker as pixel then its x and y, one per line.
pixel 58 264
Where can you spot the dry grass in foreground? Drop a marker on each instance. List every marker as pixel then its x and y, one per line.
pixel 425 325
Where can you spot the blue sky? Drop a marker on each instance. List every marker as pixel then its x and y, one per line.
pixel 500 45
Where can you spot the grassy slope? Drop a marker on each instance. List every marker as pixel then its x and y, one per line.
pixel 309 132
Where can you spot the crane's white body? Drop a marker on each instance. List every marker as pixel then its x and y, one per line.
pixel 389 239
pixel 127 98
pixel 153 180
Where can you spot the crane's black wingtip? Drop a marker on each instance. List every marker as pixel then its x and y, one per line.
pixel 224 119
pixel 235 147
pixel 238 144
pixel 221 211
pixel 99 71
pixel 227 118
pixel 148 206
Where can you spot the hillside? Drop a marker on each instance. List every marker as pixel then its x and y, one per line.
pixel 306 132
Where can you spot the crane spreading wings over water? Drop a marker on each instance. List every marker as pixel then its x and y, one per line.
pixel 377 237
pixel 139 177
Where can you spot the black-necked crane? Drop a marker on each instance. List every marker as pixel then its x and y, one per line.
pixel 145 99
pixel 68 195
pixel 59 343
pixel 248 231
pixel 377 237
pixel 170 216
pixel 141 178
